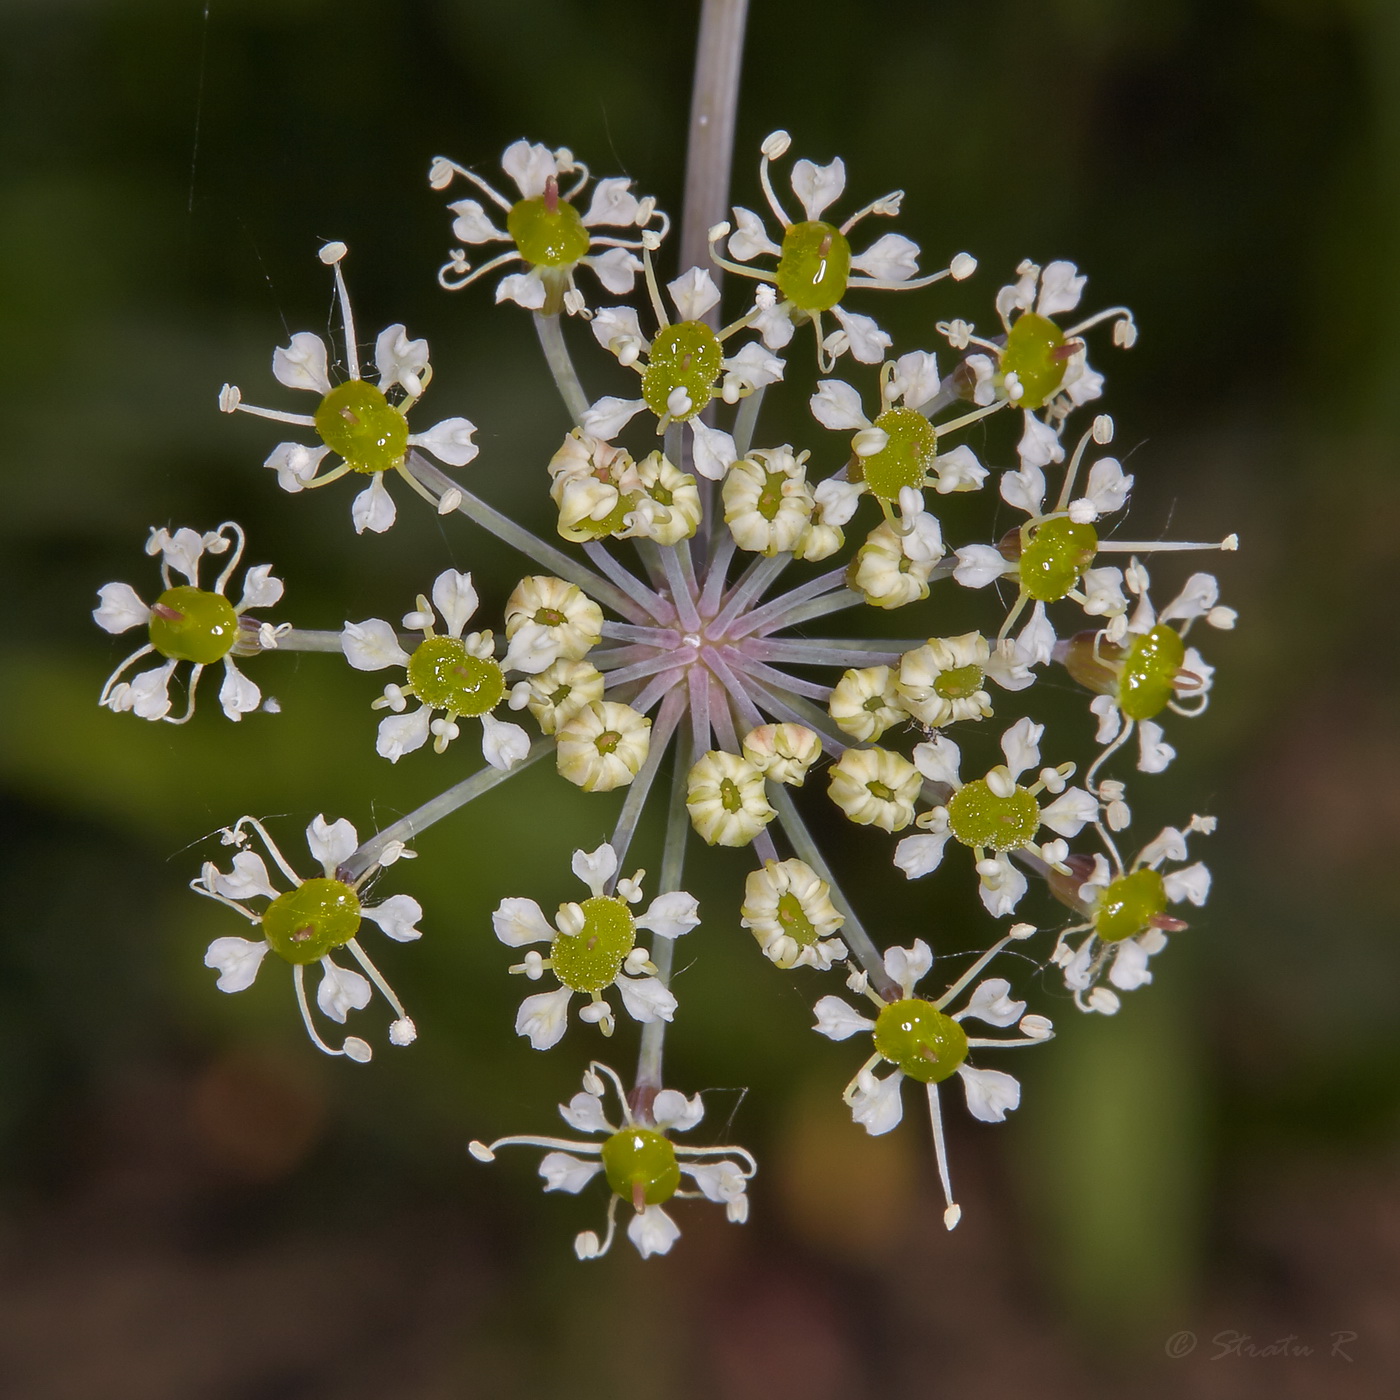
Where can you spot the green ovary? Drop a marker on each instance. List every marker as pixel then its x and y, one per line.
pixel 794 921
pixel 357 421
pixel 1030 352
pixel 770 498
pixel 923 1042
pixel 978 817
pixel 591 959
pixel 961 683
pixel 549 233
pixel 188 624
pixel 639 1162
pixel 904 460
pixel 688 357
pixel 1148 680
pixel 1128 906
pixel 443 674
pixel 1056 557
pixel 587 529
pixel 815 266
pixel 305 924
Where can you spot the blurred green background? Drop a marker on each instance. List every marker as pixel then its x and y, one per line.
pixel 193 1203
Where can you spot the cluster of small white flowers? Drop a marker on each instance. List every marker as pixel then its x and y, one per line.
pixel 644 647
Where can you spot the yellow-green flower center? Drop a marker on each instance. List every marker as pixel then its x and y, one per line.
pixel 794 921
pixel 815 265
pixel 689 357
pixel 641 1167
pixel 959 683
pixel 443 674
pixel 923 1042
pixel 1056 557
pixel 549 232
pixel 978 817
pixel 590 960
pixel 1148 680
pixel 1128 906
pixel 904 460
pixel 770 497
pixel 357 421
pixel 188 624
pixel 303 925
pixel 1030 351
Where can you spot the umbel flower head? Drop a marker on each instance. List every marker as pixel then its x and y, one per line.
pixel 187 623
pixel 593 946
pixel 308 922
pixel 926 1043
pixel 638 1160
pixel 456 675
pixel 545 230
pixel 356 420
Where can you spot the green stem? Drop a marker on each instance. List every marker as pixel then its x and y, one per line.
pixel 561 365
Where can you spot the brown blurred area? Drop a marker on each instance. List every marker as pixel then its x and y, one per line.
pixel 1198 1198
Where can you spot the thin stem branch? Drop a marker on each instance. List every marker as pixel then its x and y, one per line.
pixel 653 603
pixel 671 711
pixel 302 639
pixel 773 611
pixel 561 365
pixel 835 653
pixel 752 584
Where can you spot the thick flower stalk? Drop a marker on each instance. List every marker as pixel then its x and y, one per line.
pixel 668 645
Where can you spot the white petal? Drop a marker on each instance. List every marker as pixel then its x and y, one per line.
pixel 754 365
pixel 518 922
pixel 607 418
pixel 472 224
pixel 182 550
pixel 817 186
pixel 876 1103
pixel 836 405
pixel 530 166
pixel 991 1003
pixel 373 509
pixel 916 378
pixel 584 1114
pixel 958 470
pixel 1036 644
pixel 295 464
pixel 720 1182
pixel 1197 598
pixel 237 695
pixel 646 998
pixel 595 868
pixel 694 293
pixel 837 1021
pixel 891 258
pixel 750 238
pixel 562 1172
pixel 523 288
pixel 868 341
pixel 1192 883
pixel 1108 486
pixel 544 1018
pixel 372 645
pixel 1153 754
pixel 401 734
pixel 455 599
pixel 149 694
pixel 653 1232
pixel 1070 812
pixel 341 991
pixel 397 917
pixel 1024 489
pixel 978 565
pixel 449 441
pixel 775 325
pixel 938 759
pixel 1001 893
pixel 120 609
pixel 616 269
pixel 1039 445
pixel 1129 970
pixel 247 878
pixel 1168 844
pixel 920 855
pixel 838 499
pixel 503 745
pixel 991 1095
pixel 1021 745
pixel 714 452
pixel 260 588
pixel 671 915
pixel 331 843
pixel 303 364
pixel 400 360
pixel 613 203
pixel 616 323
pixel 1060 288
pixel 673 1111
pixel 237 961
pixel 908 966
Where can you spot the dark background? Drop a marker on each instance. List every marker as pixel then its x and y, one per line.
pixel 193 1203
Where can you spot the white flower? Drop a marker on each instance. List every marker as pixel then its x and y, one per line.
pixel 307 923
pixel 603 746
pixel 726 799
pixel 767 502
pixel 788 908
pixel 875 787
pixel 545 230
pixel 865 703
pixel 546 620
pixel 355 419
pixel 637 1159
pixel 593 946
pixel 189 624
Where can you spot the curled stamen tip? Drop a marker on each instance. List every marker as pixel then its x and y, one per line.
pixel 356 1049
pixel 230 396
pixel 449 501
pixel 480 1151
pixel 440 172
pixel 962 267
pixel 403 1031
pixel 1230 543
pixel 776 144
pixel 332 253
pixel 586 1245
pixel 719 230
pixel 1021 931
pixel 951 1216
